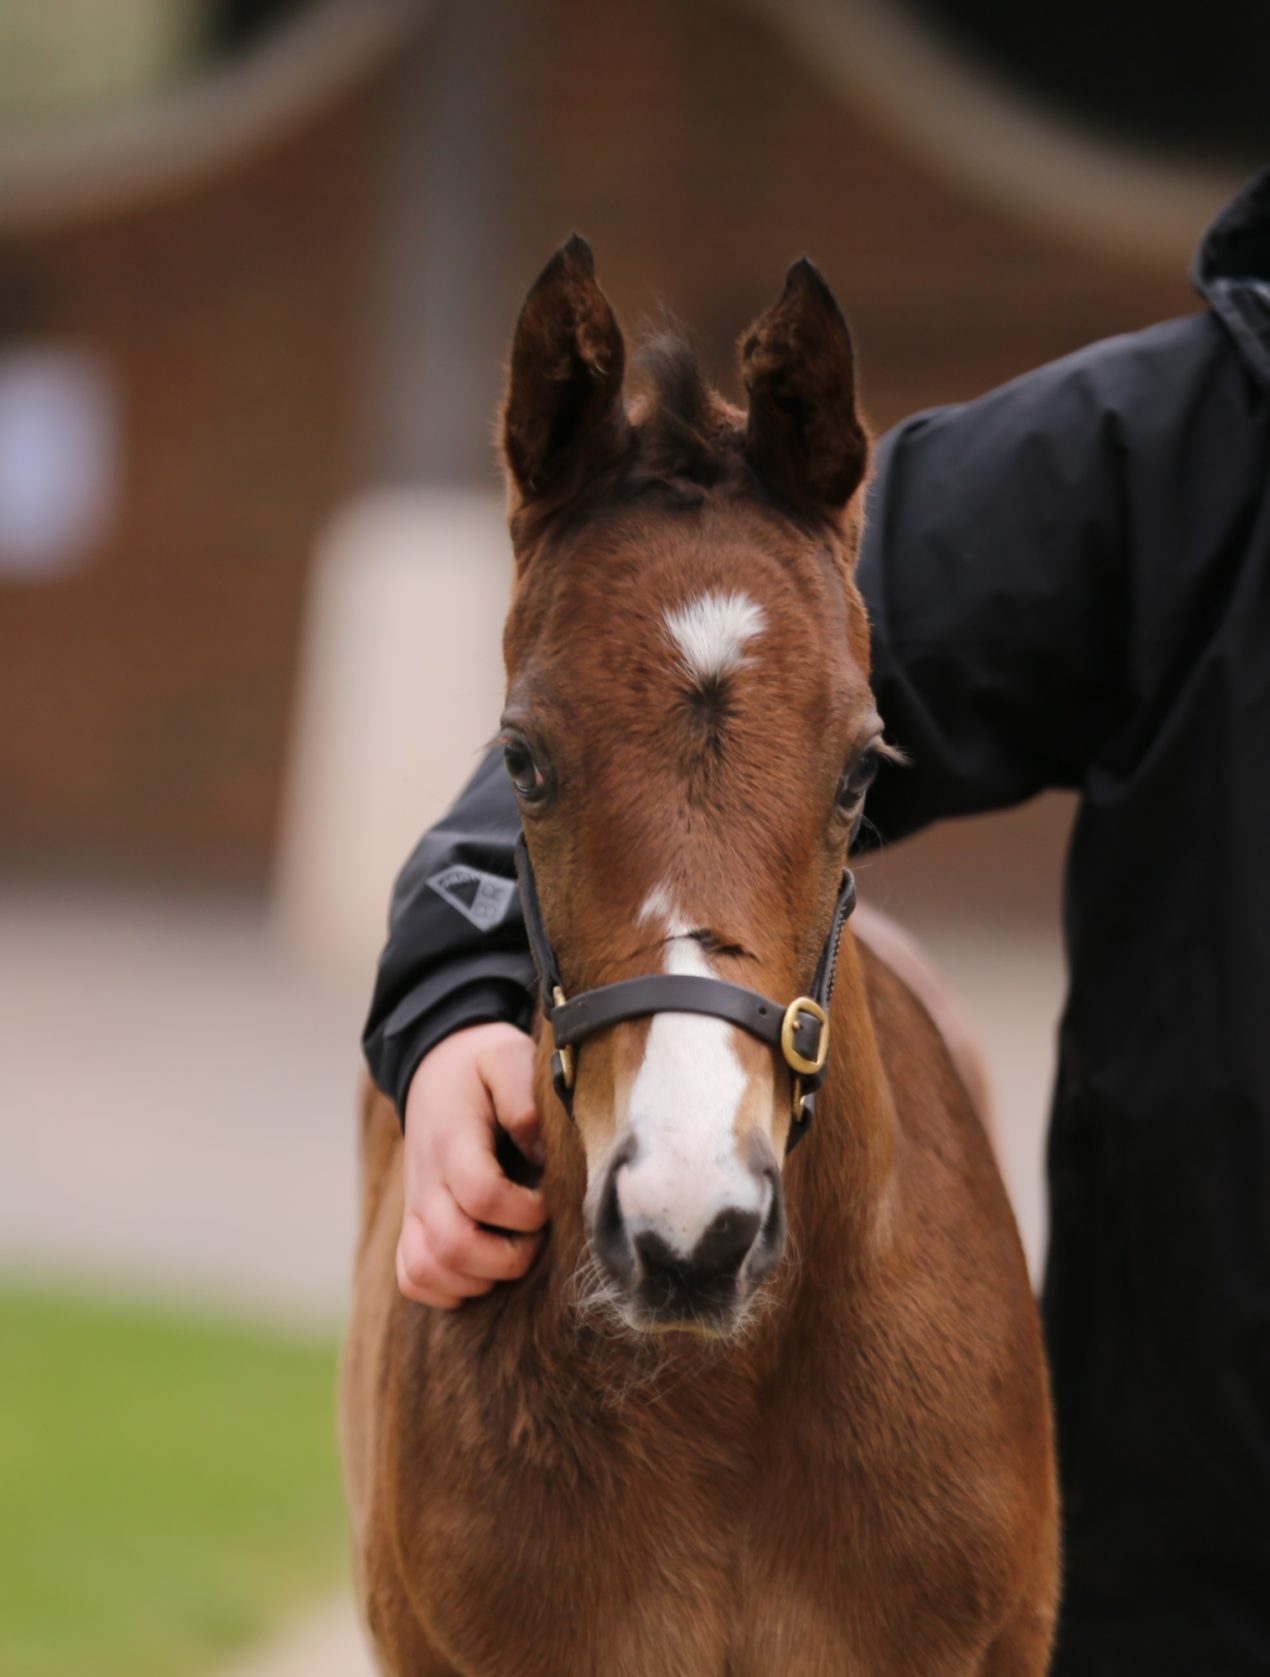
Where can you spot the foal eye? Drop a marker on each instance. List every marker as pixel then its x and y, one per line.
pixel 856 782
pixel 522 771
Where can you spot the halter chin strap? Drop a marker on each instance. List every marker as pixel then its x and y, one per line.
pixel 799 1030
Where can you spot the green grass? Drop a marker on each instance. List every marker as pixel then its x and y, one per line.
pixel 168 1486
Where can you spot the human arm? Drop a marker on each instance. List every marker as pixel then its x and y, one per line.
pixel 1033 559
pixel 446 1040
pixel 456 954
pixel 992 570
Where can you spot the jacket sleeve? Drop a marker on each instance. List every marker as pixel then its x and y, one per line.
pixel 457 953
pixel 998 569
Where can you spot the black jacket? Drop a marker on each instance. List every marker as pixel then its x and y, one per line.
pixel 1069 581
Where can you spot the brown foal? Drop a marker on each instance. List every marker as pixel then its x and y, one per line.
pixel 750 1414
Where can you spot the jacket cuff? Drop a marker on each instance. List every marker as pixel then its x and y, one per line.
pixel 480 1003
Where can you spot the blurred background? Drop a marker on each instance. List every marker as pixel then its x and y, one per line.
pixel 259 262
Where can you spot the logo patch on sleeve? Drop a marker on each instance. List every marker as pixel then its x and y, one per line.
pixel 479 897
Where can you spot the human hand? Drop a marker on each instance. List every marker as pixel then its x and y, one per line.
pixel 453 1184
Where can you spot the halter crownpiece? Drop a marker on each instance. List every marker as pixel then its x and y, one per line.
pixel 799 1030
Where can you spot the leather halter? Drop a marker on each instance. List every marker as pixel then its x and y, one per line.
pixel 799 1030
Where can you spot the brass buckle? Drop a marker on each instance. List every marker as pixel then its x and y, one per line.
pixel 797 1101
pixel 566 1053
pixel 793 1059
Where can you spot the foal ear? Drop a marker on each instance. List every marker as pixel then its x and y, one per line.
pixel 803 436
pixel 563 412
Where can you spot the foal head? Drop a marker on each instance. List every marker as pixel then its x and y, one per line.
pixel 690 731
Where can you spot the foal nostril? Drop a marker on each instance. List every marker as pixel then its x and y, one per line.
pixel 609 1237
pixel 769 1248
pixel 724 1246
pixel 708 1274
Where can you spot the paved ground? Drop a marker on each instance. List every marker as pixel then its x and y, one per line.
pixel 176 1101
pixel 327 1644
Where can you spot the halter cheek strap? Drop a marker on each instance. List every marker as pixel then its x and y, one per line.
pixel 799 1030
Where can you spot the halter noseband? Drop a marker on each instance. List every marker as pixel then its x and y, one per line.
pixel 800 1030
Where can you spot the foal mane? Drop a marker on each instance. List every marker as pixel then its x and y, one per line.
pixel 685 436
pixel 682 440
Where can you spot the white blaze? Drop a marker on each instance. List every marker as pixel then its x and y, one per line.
pixel 710 633
pixel 683 1111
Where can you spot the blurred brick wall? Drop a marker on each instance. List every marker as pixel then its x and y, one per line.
pixel 700 158
pixel 145 702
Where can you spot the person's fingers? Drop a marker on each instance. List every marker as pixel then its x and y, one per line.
pixel 460 1247
pixel 436 1298
pixel 481 1190
pixel 469 1087
pixel 506 1067
pixel 421 1277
